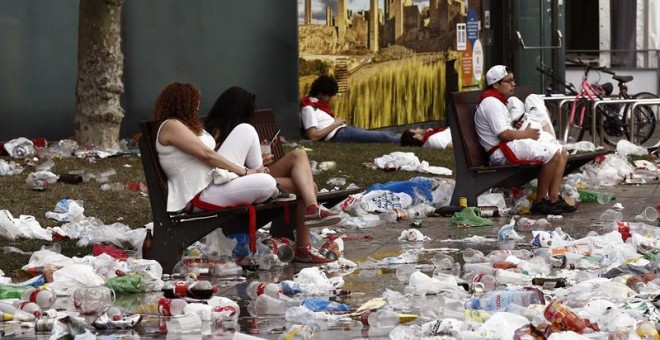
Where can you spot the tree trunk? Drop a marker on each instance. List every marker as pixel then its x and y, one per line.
pixel 100 66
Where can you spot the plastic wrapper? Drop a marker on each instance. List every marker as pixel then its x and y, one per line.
pixel 20 148
pixel 41 180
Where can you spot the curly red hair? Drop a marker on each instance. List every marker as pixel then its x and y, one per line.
pixel 179 101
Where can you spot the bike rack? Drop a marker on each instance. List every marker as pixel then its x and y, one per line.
pixel 639 102
pixel 593 116
pixel 560 118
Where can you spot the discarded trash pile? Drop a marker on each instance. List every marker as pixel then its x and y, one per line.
pixel 604 285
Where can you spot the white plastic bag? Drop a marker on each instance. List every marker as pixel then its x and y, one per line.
pixel 72 276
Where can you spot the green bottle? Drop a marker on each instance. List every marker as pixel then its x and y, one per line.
pixel 11 292
pixel 588 196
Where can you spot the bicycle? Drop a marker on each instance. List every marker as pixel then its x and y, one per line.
pixel 615 118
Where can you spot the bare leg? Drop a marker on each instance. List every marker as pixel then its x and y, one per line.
pixel 293 173
pixel 555 185
pixel 546 176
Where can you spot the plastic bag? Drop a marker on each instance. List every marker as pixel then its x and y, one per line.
pixel 468 216
pixel 126 284
pixel 625 148
pixel 20 148
pixel 382 200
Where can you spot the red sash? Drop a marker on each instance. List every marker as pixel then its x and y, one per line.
pixel 318 104
pixel 510 156
pixel 428 134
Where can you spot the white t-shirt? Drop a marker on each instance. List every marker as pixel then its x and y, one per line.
pixel 491 119
pixel 313 117
pixel 439 140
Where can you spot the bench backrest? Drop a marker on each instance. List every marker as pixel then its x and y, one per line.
pixel 153 173
pixel 464 106
pixel 264 122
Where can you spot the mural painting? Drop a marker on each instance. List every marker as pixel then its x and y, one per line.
pixel 388 56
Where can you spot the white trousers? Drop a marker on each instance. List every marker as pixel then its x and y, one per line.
pixel 242 146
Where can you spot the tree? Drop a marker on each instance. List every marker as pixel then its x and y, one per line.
pixel 100 67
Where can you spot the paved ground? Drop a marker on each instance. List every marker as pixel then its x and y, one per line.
pixel 367 284
pixel 372 283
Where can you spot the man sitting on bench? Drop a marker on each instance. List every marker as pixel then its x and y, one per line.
pixel 507 145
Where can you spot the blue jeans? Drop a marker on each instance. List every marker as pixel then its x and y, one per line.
pixel 352 134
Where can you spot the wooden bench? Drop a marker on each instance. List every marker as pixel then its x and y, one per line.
pixel 473 174
pixel 174 232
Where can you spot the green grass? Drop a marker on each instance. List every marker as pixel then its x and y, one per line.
pixel 133 209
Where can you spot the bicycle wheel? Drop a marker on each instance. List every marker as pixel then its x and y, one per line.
pixel 573 131
pixel 645 119
pixel 612 118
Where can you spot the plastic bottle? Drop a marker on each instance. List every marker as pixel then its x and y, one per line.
pixel 635 283
pixel 381 318
pixel 224 313
pixel 510 277
pixel 43 298
pixel 256 288
pixel 28 307
pixel 18 315
pixel 201 289
pixel 550 283
pixel 146 244
pixel 564 318
pixel 646 330
pixel 501 299
pixel 171 307
pixel 11 292
pixel 298 332
pixel 485 268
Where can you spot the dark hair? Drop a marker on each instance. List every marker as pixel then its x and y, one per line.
pixel 324 85
pixel 179 101
pixel 234 106
pixel 408 139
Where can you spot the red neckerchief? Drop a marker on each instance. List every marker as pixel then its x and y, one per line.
pixel 431 133
pixel 318 104
pixel 492 93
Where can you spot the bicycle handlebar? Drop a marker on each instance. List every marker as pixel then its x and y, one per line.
pixel 590 67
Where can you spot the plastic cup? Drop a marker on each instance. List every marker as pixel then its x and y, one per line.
pixel 443 261
pixel 265 149
pixel 188 323
pixel 649 214
pixel 404 271
pixel 282 247
pixel 266 304
pixel 92 300
pixel 611 215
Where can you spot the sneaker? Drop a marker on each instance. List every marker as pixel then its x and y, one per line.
pixel 564 206
pixel 545 207
pixel 319 216
pixel 283 196
pixel 309 255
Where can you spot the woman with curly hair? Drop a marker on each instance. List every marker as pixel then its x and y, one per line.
pixel 231 112
pixel 187 156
